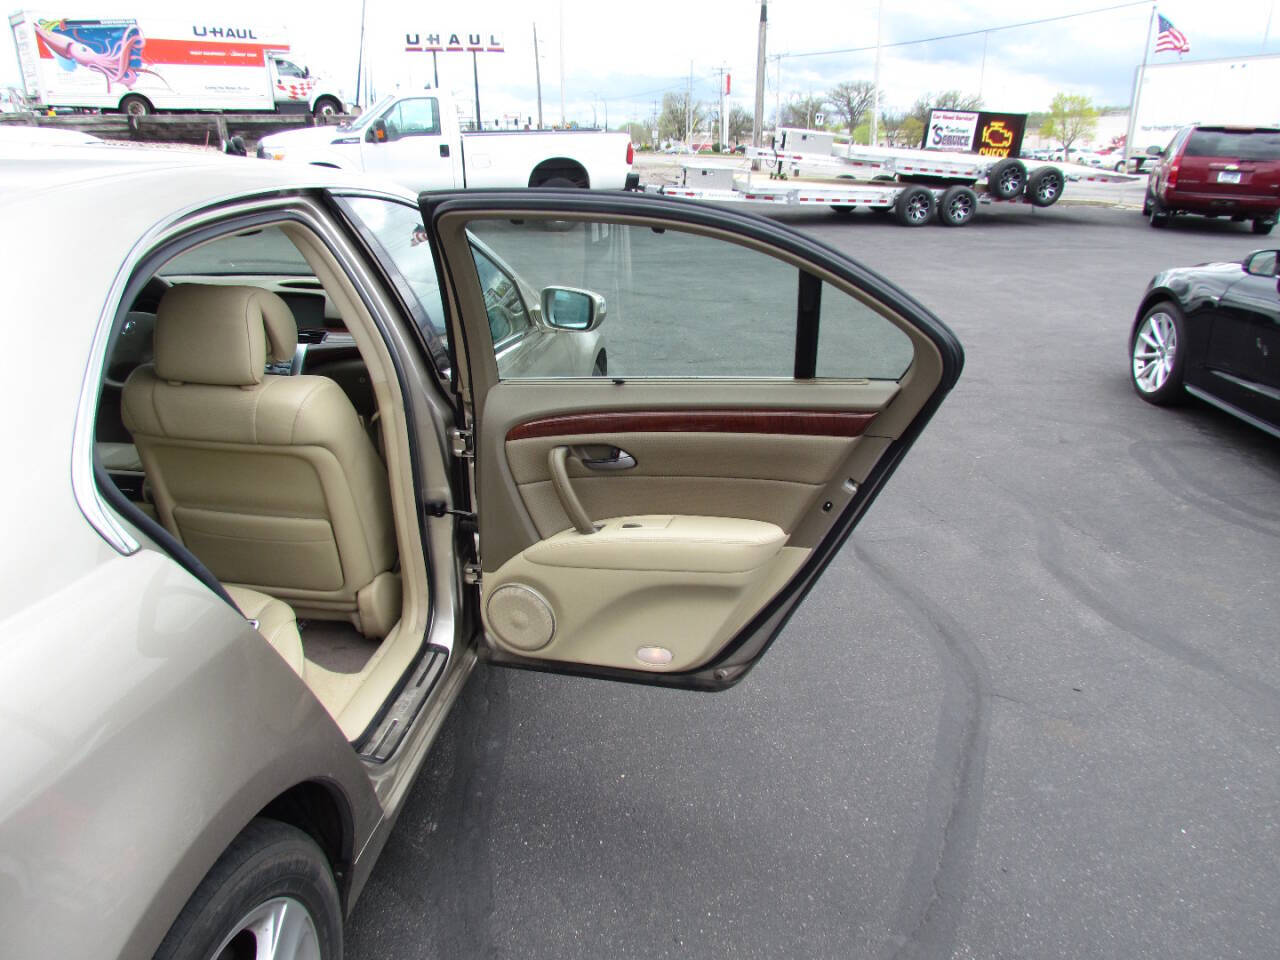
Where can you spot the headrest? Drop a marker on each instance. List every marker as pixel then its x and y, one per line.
pixel 213 334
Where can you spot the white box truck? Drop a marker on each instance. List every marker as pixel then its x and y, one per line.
pixel 139 66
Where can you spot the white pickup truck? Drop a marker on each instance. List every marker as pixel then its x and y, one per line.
pixel 415 140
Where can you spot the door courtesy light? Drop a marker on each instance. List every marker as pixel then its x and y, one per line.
pixel 654 656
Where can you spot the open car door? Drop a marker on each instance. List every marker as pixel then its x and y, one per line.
pixel 678 413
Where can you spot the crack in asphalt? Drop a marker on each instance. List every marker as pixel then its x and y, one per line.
pixel 935 888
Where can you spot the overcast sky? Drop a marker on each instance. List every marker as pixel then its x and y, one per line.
pixel 629 54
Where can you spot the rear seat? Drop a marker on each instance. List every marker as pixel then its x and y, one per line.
pixel 276 623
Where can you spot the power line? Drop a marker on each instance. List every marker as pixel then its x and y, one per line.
pixel 969 33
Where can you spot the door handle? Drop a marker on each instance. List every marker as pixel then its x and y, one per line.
pixel 616 459
pixel 568 499
pixel 444 149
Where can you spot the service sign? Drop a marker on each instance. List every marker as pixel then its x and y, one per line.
pixel 971 131
pixel 467 41
pixel 951 130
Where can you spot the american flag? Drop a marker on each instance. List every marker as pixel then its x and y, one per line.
pixel 1171 39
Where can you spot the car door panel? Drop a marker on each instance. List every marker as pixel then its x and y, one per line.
pixel 739 490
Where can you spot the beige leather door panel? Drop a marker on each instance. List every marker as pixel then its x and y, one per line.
pixel 659 519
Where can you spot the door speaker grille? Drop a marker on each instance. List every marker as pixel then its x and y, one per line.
pixel 521 617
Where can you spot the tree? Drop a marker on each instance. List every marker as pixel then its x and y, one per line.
pixel 1071 117
pixel 801 111
pixel 640 133
pixel 851 101
pixel 740 124
pixel 946 100
pixel 673 124
pixel 901 129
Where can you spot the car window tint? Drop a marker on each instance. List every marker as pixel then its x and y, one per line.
pixel 1235 144
pixel 397 230
pixel 679 304
pixel 262 251
pixel 287 69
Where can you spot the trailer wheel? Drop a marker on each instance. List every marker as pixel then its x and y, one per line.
pixel 134 105
pixel 914 207
pixel 958 206
pixel 1007 179
pixel 1044 187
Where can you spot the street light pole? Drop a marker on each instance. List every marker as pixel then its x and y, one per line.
pixel 757 125
pixel 537 69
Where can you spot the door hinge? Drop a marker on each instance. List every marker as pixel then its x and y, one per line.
pixel 460 443
pixel 471 574
pixel 438 508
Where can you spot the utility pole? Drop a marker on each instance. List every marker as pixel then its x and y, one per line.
pixel 723 135
pixel 688 109
pixel 562 123
pixel 475 75
pixel 537 70
pixel 757 125
pixel 875 83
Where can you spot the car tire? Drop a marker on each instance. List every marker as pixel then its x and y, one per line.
pixel 1146 203
pixel 272 880
pixel 1157 212
pixel 1263 226
pixel 134 105
pixel 1007 179
pixel 914 207
pixel 957 207
pixel 1157 354
pixel 559 226
pixel 1044 187
pixel 327 107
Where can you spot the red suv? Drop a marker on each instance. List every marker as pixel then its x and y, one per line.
pixel 1217 171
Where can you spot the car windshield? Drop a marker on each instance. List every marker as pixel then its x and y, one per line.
pixel 1242 145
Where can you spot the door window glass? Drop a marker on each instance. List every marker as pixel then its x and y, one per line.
pixel 396 232
pixel 286 69
pixel 508 316
pixel 679 304
pixel 414 118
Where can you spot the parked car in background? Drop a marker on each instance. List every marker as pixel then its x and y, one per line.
pixel 1212 331
pixel 1215 172
pixel 287 501
pixel 415 140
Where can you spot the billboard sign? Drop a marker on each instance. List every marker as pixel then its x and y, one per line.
pixel 972 131
pixel 465 42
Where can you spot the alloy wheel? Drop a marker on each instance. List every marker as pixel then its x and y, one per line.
pixel 1155 349
pixel 960 208
pixel 280 929
pixel 918 209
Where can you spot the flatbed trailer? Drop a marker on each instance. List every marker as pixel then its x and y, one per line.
pixel 913 185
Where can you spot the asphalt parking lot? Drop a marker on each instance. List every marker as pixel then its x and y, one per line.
pixel 1031 711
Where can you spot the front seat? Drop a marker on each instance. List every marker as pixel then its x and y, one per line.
pixel 271 481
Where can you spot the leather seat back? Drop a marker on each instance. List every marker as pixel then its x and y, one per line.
pixel 270 480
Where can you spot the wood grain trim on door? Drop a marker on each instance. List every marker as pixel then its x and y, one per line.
pixel 809 423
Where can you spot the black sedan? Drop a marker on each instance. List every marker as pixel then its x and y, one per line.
pixel 1213 331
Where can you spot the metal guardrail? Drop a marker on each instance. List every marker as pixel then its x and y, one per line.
pixel 208 129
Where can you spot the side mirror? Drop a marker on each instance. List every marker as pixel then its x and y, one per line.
pixel 1261 263
pixel 377 132
pixel 568 308
pixel 306 72
pixel 236 147
pixel 1155 151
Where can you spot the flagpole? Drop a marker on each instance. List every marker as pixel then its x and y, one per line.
pixel 1137 93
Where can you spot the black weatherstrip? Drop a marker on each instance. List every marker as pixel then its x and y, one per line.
pixel 808 309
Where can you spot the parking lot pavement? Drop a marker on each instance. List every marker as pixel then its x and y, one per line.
pixel 1030 711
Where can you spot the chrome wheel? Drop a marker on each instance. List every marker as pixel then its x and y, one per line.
pixel 280 929
pixel 1011 182
pixel 918 209
pixel 960 208
pixel 1047 190
pixel 1155 350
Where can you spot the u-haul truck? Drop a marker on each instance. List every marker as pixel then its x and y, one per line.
pixel 139 66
